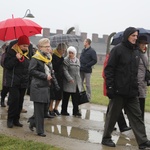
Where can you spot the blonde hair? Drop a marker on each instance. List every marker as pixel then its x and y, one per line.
pixel 43 41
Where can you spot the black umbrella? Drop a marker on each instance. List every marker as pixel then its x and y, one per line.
pixel 63 38
pixel 118 36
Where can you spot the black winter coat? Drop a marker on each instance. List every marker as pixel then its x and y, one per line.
pixel 17 72
pixel 121 71
pixel 88 58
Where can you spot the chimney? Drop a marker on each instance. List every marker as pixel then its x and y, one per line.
pixel 58 31
pixel 46 32
pixel 83 36
pixel 95 38
pixel 105 37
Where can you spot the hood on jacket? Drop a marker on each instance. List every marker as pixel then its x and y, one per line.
pixel 128 31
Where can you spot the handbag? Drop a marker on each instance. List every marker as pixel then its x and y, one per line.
pixel 147 74
pixel 83 97
pixel 147 77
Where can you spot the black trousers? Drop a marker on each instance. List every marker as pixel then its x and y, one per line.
pixel 121 120
pixel 142 106
pixel 132 109
pixel 65 100
pixel 16 96
pixel 4 92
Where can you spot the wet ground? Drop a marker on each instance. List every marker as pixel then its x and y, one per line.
pixel 72 133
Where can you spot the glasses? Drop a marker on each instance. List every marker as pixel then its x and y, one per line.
pixel 46 46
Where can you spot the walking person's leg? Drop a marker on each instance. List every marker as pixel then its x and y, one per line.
pixel 4 93
pixel 142 106
pixel 13 105
pixel 20 106
pixel 88 84
pixel 39 118
pixel 134 114
pixel 115 107
pixel 65 101
pixel 122 123
pixel 75 97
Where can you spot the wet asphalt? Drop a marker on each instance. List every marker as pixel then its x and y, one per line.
pixel 73 133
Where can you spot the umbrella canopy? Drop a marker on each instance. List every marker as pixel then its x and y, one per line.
pixel 15 27
pixel 119 36
pixel 63 38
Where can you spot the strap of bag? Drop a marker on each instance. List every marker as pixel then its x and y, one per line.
pixel 143 62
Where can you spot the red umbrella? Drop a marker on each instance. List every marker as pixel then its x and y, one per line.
pixel 15 27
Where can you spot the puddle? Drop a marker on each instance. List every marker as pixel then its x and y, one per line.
pixel 91 136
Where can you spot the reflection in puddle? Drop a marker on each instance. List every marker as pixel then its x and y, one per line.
pixel 91 136
pixel 92 115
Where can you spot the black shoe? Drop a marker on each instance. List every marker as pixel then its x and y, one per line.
pixel 3 104
pixel 56 112
pixel 9 123
pixel 31 127
pixel 144 145
pixel 125 129
pixel 77 114
pixel 41 134
pixel 108 142
pixel 48 116
pixel 65 113
pixel 18 124
pixel 52 113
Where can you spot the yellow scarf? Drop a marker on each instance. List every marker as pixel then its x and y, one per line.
pixel 17 49
pixel 39 56
pixel 56 53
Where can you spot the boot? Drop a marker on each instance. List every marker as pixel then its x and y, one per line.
pixel 3 103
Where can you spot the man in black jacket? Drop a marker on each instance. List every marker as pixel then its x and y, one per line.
pixel 88 58
pixel 122 88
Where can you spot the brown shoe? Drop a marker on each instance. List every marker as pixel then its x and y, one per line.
pixel 23 110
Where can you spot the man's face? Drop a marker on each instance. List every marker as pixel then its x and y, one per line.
pixel 133 37
pixel 85 43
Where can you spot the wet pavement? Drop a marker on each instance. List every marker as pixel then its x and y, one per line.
pixel 73 133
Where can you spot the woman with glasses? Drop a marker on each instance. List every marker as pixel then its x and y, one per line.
pixel 40 69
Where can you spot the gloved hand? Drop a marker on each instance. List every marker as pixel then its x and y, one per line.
pixel 110 93
pixel 57 88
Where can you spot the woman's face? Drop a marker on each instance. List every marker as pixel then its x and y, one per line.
pixel 45 48
pixel 71 55
pixel 142 46
pixel 61 52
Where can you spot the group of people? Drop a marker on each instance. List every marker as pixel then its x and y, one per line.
pixel 49 76
pixel 54 77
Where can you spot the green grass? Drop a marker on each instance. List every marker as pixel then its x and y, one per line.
pixel 11 143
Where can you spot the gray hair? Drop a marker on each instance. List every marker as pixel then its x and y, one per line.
pixel 43 41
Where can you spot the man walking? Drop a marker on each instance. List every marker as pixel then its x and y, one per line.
pixel 122 88
pixel 88 58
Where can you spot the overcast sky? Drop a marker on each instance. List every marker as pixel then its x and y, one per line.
pixel 91 16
